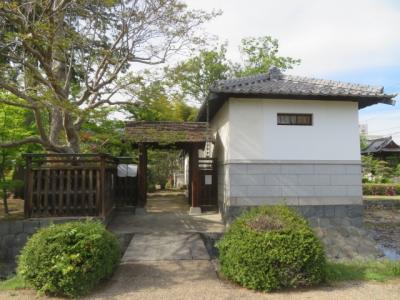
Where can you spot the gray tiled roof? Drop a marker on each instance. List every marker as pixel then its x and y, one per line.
pixel 385 144
pixel 276 83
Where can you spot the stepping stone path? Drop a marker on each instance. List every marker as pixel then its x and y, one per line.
pixel 165 246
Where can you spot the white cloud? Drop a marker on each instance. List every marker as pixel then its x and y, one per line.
pixel 329 36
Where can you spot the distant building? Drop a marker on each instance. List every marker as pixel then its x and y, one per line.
pixel 382 148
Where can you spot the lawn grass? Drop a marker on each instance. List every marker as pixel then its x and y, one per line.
pixel 375 270
pixel 377 197
pixel 13 283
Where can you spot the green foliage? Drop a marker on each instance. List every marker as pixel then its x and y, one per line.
pixel 13 283
pixel 381 189
pixel 259 54
pixel 375 170
pixel 272 247
pixel 363 141
pixel 69 259
pixel 380 270
pixel 156 104
pixel 161 166
pixel 196 75
pixel 15 123
pixel 102 133
pixel 68 59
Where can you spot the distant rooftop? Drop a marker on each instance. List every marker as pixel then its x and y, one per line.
pixel 381 145
pixel 276 85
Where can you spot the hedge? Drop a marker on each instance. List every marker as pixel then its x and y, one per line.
pixel 381 189
pixel 69 259
pixel 271 248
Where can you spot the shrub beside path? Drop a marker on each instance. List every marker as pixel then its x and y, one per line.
pixel 174 264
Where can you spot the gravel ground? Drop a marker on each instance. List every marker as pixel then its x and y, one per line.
pixel 198 280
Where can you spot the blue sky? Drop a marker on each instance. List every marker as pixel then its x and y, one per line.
pixel 349 40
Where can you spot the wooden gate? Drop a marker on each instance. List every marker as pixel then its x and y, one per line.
pixel 126 186
pixel 208 191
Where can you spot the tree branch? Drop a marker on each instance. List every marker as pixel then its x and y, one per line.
pixel 16 104
pixel 16 92
pixel 29 140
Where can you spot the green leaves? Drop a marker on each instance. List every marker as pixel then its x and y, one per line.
pixel 69 259
pixel 259 54
pixel 268 258
pixel 196 75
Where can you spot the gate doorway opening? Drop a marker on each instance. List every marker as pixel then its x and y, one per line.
pixel 191 139
pixel 167 202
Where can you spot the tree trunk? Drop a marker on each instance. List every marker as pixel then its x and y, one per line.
pixel 56 126
pixel 71 133
pixel 5 202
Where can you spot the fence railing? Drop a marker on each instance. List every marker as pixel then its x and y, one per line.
pixel 59 185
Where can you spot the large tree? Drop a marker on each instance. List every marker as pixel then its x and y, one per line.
pixel 259 54
pixel 195 76
pixel 64 59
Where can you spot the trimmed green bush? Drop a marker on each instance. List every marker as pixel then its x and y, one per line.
pixel 69 259
pixel 272 247
pixel 381 189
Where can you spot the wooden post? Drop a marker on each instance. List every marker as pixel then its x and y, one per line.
pixel 195 183
pixel 29 187
pixel 142 176
pixel 189 185
pixel 102 196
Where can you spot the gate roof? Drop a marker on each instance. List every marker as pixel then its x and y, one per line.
pixel 167 133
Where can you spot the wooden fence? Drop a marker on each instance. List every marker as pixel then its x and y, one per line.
pixel 60 185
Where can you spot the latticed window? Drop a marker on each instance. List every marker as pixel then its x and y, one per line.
pixel 294 119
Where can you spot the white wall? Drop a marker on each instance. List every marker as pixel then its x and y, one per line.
pixel 220 126
pixel 247 130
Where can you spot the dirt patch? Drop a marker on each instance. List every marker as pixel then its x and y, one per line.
pixel 15 207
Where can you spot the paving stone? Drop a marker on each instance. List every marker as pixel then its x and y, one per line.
pixel 154 247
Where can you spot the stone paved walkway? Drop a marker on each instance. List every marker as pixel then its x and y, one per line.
pixel 159 247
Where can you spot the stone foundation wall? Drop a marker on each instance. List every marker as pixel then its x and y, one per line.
pixel 314 213
pixel 14 234
pixel 318 189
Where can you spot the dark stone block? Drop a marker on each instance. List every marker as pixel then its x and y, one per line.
pixel 45 222
pixel 20 239
pixel 8 240
pixel 341 211
pixel 31 226
pixel 329 211
pixel 4 228
pixel 355 211
pixel 16 227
